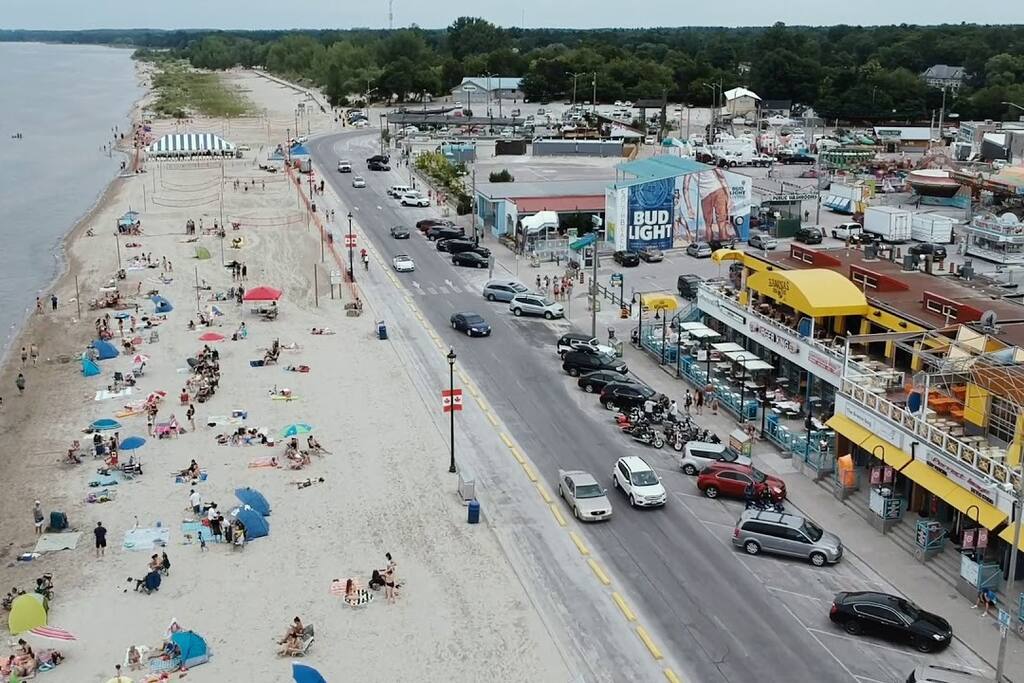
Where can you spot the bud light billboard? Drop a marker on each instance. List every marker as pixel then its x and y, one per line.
pixel 649 218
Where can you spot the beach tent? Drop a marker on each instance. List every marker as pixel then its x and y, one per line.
pixel 299 151
pixel 306 674
pixel 128 220
pixel 161 305
pixel 202 253
pixel 89 369
pixel 27 612
pixel 190 144
pixel 105 424
pixel 254 499
pixel 194 650
pixel 262 294
pixel 255 525
pixel 104 349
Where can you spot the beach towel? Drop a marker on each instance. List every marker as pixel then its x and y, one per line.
pixel 104 496
pixel 49 543
pixel 129 412
pixel 297 368
pixel 104 480
pixel 103 394
pixel 146 538
pixel 215 420
pixel 280 397
pixel 178 479
pixel 256 364
pixel 263 462
pixel 198 531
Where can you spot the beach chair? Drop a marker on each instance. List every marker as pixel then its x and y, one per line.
pixel 308 637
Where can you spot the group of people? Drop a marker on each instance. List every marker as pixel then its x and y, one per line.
pixel 25 662
pixel 559 287
pixel 239 271
pixel 205 375
pixel 298 458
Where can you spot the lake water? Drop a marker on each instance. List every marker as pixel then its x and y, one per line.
pixel 65 100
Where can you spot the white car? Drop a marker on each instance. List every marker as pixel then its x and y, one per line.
pixel 360 123
pixel 638 482
pixel 699 454
pixel 358 181
pixel 588 500
pixel 414 199
pixel 344 166
pixel 403 263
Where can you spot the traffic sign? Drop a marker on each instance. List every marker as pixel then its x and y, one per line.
pixel 451 400
pixel 616 278
pixel 1004 618
pixel 350 240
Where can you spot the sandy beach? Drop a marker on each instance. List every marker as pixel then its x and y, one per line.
pixel 461 612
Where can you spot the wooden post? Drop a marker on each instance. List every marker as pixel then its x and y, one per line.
pixel 78 299
pixel 316 288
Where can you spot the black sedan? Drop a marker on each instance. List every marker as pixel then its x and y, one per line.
pixel 626 258
pixel 628 395
pixel 470 323
pixel 400 233
pixel 594 382
pixel 797 159
pixel 444 232
pixel 892 618
pixel 469 259
pixel 936 251
pixel 378 166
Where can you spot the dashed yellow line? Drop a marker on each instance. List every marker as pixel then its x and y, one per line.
pixel 517 455
pixel 557 513
pixel 580 545
pixel 507 441
pixel 670 675
pixel 645 637
pixel 462 376
pixel 490 418
pixel 621 602
pixel 544 493
pixel 530 474
pixel 471 389
pixel 598 572
pixel 483 406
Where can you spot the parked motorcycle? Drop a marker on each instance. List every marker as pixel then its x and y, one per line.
pixel 677 434
pixel 647 435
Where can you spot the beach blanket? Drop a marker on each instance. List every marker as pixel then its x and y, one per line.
pixel 178 479
pixel 296 368
pixel 215 420
pixel 104 480
pixel 197 530
pixel 264 462
pixel 128 412
pixel 49 543
pixel 146 538
pixel 280 397
pixel 103 394
pixel 104 496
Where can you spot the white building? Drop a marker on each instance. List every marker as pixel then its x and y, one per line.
pixel 489 87
pixel 740 102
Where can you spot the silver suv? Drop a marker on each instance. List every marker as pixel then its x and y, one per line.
pixel 785 534
pixel 535 304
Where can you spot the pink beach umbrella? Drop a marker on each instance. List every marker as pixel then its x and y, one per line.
pixel 52 633
pixel 211 337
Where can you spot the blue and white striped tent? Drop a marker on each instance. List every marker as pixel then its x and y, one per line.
pixel 190 144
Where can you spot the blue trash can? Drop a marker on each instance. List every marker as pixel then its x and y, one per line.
pixel 473 512
pixel 382 330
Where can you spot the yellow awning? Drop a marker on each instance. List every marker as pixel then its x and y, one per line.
pixel 953 494
pixel 728 255
pixel 659 301
pixel 1007 535
pixel 818 292
pixel 889 454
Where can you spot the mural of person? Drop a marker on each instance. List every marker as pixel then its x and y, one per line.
pixel 709 191
pixel 681 231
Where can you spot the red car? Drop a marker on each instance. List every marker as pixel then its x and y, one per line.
pixel 730 479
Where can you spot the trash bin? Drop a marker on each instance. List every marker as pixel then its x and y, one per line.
pixel 382 330
pixel 473 515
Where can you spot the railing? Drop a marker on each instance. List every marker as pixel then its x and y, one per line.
pixel 938 439
pixel 610 295
pixel 818 451
pixel 1013 232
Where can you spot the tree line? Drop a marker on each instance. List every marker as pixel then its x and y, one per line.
pixel 852 73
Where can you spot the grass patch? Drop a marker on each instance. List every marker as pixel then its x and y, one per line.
pixel 183 92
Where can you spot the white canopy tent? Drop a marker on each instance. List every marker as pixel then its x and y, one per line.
pixel 191 144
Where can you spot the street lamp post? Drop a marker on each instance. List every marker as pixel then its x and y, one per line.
pixel 351 244
pixel 451 413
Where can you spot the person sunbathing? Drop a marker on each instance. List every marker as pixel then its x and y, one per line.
pixel 314 445
pixel 292 647
pixel 322 330
pixel 192 471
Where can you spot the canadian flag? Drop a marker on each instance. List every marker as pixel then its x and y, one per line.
pixel 451 399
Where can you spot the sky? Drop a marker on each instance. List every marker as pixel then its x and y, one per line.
pixel 268 14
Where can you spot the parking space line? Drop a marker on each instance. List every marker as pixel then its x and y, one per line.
pixel 530 474
pixel 504 439
pixel 580 545
pixel 863 641
pixel 621 602
pixel 544 493
pixel 799 595
pixel 517 455
pixel 645 637
pixel 557 513
pixel 490 418
pixel 670 675
pixel 818 640
pixel 598 572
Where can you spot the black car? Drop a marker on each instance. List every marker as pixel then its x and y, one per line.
pixel 594 382
pixel 797 159
pixel 379 159
pixel 378 166
pixel 890 617
pixel 936 251
pixel 428 223
pixel 808 235
pixel 400 233
pixel 445 232
pixel 577 363
pixel 470 323
pixel 470 259
pixel 626 258
pixel 455 246
pixel 623 395
pixel 687 285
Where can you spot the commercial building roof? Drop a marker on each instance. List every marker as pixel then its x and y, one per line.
pixel 817 292
pixel 545 189
pixel 567 204
pixel 659 167
pixel 737 93
pixel 495 82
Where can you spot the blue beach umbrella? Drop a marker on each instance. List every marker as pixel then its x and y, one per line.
pixel 306 674
pixel 296 429
pixel 131 443
pixel 105 424
pixel 122 315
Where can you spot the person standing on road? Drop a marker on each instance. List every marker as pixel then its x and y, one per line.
pixel 649 409
pixel 699 402
pixel 687 401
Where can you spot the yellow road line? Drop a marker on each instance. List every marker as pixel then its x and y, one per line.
pixel 462 376
pixel 671 676
pixel 504 438
pixel 601 576
pixel 517 455
pixel 483 406
pixel 621 602
pixel 530 474
pixel 580 545
pixel 558 514
pixel 408 299
pixel 649 642
pixel 471 389
pixel 493 420
pixel 544 493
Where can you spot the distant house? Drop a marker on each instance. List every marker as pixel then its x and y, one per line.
pixel 944 76
pixel 490 87
pixel 740 101
pixel 771 108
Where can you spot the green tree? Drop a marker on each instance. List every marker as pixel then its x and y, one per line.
pixel 473 36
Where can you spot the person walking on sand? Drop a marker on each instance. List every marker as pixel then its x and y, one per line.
pixel 33 351
pixel 100 532
pixel 390 579
pixel 53 302
pixel 195 500
pixel 39 305
pixel 24 355
pixel 19 382
pixel 245 271
pixel 191 415
pixel 37 517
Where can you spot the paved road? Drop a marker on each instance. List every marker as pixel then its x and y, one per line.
pixel 724 616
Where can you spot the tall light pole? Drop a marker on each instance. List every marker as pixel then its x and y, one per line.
pixel 574 77
pixel 1018 513
pixel 593 102
pixel 351 246
pixel 451 413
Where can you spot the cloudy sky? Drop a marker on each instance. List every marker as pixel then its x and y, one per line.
pixel 265 14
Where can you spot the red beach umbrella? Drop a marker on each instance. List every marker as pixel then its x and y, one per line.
pixel 262 294
pixel 52 633
pixel 211 337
